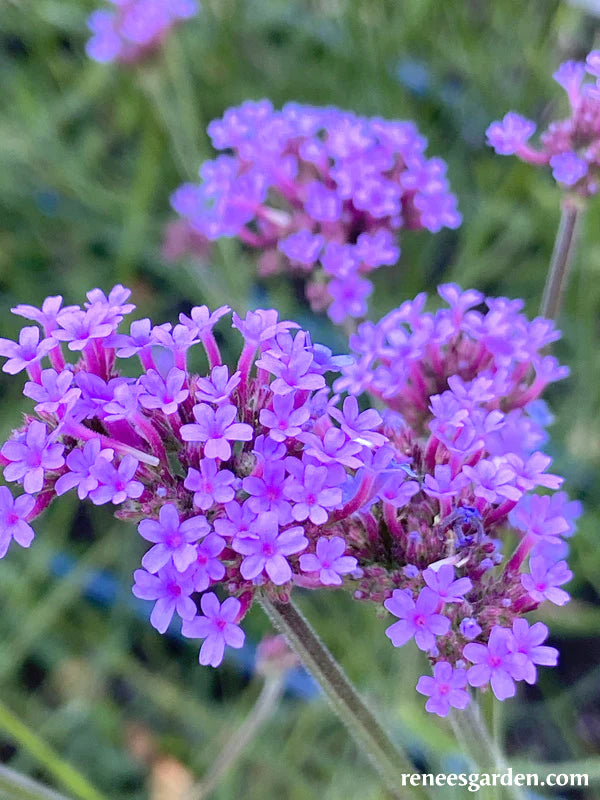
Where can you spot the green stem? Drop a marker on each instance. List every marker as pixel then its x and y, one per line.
pixel 72 780
pixel 562 256
pixel 472 734
pixel 20 787
pixel 264 707
pixel 392 764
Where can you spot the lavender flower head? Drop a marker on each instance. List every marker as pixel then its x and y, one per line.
pixel 134 28
pixel 255 477
pixel 571 146
pixel 322 192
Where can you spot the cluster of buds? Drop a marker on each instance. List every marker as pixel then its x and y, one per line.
pixel 134 28
pixel 260 478
pixel 320 192
pixel 570 146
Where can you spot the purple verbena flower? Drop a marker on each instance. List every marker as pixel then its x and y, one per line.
pixel 419 619
pixel 27 353
pixel 171 590
pixel 31 455
pixel 14 512
pixel 446 588
pixel 445 690
pixel 543 580
pixel 173 539
pixel 115 484
pixel 495 663
pixel 210 484
pixel 216 429
pixel 217 626
pixel 164 393
pixel 80 465
pixel 268 552
pixel 329 561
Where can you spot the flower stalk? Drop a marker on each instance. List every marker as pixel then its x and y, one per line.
pixel 265 705
pixel 562 256
pixel 387 758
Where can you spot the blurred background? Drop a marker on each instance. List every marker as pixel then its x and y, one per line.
pixel 88 157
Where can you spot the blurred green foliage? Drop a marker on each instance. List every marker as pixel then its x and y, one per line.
pixel 88 157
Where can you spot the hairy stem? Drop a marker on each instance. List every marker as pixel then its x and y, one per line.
pixel 388 759
pixel 264 707
pixel 562 256
pixel 472 734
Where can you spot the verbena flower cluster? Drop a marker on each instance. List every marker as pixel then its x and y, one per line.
pixel 321 192
pixel 463 386
pixel 570 146
pixel 258 478
pixel 134 28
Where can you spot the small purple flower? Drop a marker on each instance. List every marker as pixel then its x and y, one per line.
pixel 441 484
pixel 322 204
pixel 543 580
pixel 302 247
pixel 292 374
pixel 359 426
pixel 268 552
pixel 172 538
pixel 13 519
pixel 535 514
pixel 210 485
pixel 470 628
pixel 569 75
pixel 333 448
pixel 446 689
pixel 526 642
pixel 592 63
pixel 532 473
pixel 219 387
pixel 171 590
pixel 493 480
pixel 27 352
pixel 377 249
pixel 78 328
pixel 442 582
pixel 31 456
pixel 47 316
pixel 116 485
pixel 507 136
pixel 80 464
pixel 267 491
pixel 216 428
pixel 438 210
pixel 217 627
pixel 329 561
pixel 495 663
pixel 208 566
pixel 53 391
pixel 418 619
pixel 396 490
pixel 568 168
pixel 284 420
pixel 164 393
pixel 139 340
pixel 239 521
pixel 349 297
pixel 311 492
